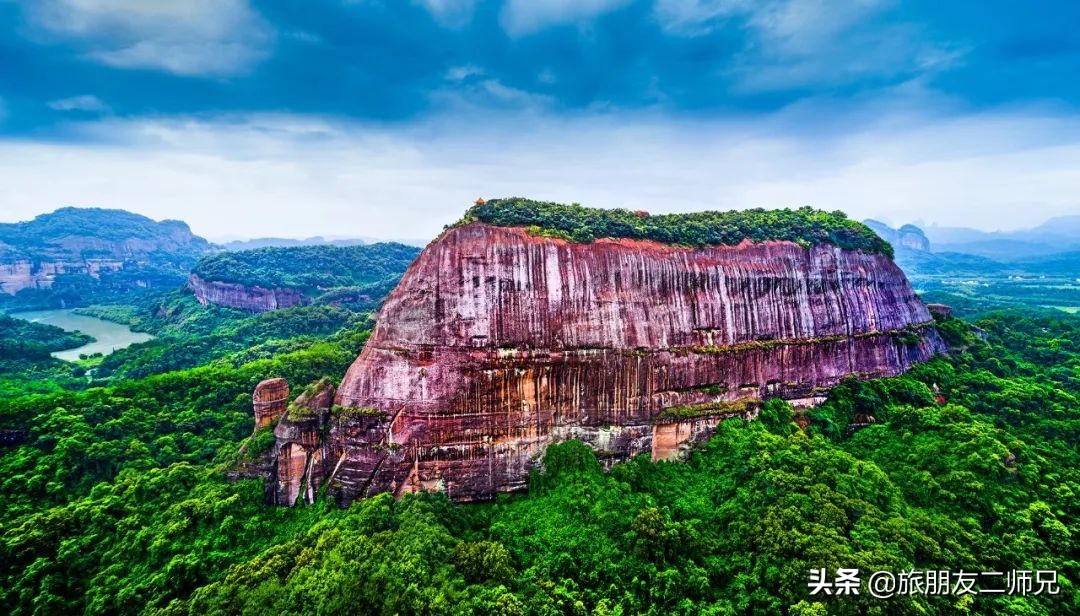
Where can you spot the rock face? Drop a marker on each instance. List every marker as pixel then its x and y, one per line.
pixel 251 299
pixel 908 236
pixel 74 243
pixel 301 452
pixel 295 464
pixel 271 399
pixel 26 274
pixel 497 343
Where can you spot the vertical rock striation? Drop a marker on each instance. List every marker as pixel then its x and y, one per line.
pixel 270 400
pixel 241 297
pixel 498 342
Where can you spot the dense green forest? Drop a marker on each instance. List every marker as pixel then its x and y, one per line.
pixel 805 225
pixel 309 268
pixel 22 340
pixel 119 502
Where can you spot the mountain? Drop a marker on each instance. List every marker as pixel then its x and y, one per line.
pixel 1056 235
pixel 529 323
pixel 907 236
pixel 285 242
pixel 1022 268
pixel 317 240
pixel 75 255
pixel 270 278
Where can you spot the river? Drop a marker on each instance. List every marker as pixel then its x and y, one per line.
pixel 109 336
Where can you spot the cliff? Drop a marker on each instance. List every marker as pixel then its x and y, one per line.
pixel 270 278
pixel 501 340
pixel 251 299
pixel 75 249
pixel 907 237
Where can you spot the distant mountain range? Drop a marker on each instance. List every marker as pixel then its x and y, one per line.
pixel 981 270
pixel 78 256
pixel 1056 235
pixel 318 240
pixel 287 242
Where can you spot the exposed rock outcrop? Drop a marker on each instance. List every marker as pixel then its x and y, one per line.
pixel 26 274
pixel 271 400
pixel 907 236
pixel 294 463
pixel 251 299
pixel 77 243
pixel 498 342
pixel 301 452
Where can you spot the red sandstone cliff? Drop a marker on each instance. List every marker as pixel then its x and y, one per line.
pixel 251 299
pixel 497 343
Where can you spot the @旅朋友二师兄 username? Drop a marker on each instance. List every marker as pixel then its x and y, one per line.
pixel 886 584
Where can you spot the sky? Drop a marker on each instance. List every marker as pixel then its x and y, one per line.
pixel 387 118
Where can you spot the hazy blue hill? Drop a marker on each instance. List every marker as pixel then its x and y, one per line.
pixel 72 232
pixel 921 263
pixel 1056 235
pixel 287 242
pixel 1066 226
pixel 79 256
pixel 1064 263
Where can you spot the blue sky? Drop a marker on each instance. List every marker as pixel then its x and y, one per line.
pixel 386 118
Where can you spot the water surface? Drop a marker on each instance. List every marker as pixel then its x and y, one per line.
pixel 110 336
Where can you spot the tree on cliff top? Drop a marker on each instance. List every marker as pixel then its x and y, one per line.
pixel 805 225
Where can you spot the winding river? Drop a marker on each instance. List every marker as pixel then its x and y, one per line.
pixel 109 336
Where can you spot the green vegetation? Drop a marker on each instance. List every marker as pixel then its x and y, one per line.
pixel 21 339
pixel 103 224
pixel 708 409
pixel 805 225
pixel 355 411
pixel 119 504
pixel 259 444
pixel 313 269
pixel 188 334
pixel 301 412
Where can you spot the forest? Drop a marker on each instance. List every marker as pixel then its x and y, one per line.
pixel 804 225
pixel 119 502
pixel 309 267
pixel 22 340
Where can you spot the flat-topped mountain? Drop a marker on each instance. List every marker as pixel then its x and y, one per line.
pixel 269 278
pixel 529 323
pixel 72 252
pixel 73 233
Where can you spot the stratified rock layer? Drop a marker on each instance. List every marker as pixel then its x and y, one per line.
pixel 251 299
pixel 497 343
pixel 270 400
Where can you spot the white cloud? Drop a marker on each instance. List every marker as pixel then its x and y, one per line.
pixel 472 90
pixel 185 37
pixel 450 13
pixel 695 17
pixel 521 17
pixel 795 43
pixel 463 72
pixel 85 102
pixel 300 176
